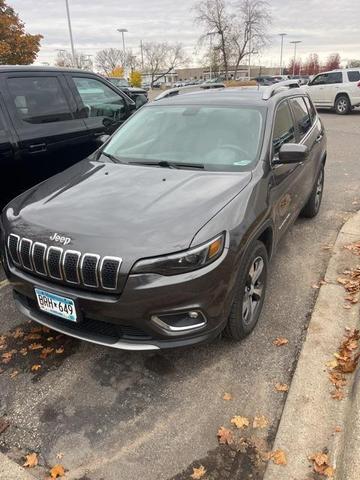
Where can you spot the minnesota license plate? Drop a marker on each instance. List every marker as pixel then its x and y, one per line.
pixel 56 305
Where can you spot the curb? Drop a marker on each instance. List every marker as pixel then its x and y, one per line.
pixel 310 415
pixel 10 470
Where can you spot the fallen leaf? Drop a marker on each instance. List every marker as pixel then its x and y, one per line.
pixel 198 473
pixel 240 422
pixel 315 286
pixel 61 350
pixel 280 341
pixel 18 333
pixel 6 357
pixel 13 374
pixel 35 346
pixel 23 351
pixel 321 464
pixel 32 336
pixel 281 387
pixel 60 455
pixel 31 460
pixel 35 368
pixel 332 363
pixel 57 471
pixel 260 422
pixel 338 394
pixel 45 352
pixel 338 429
pixel 278 457
pixel 4 424
pixel 225 436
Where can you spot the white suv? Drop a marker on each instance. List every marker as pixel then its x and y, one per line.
pixel 339 89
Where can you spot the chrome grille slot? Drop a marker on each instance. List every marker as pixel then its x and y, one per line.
pixel 13 246
pixel 88 268
pixel 38 258
pixel 53 260
pixel 71 266
pixel 110 267
pixel 25 253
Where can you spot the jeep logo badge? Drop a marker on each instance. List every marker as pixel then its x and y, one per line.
pixel 60 239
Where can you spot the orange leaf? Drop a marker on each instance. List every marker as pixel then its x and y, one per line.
pixel 227 396
pixel 60 350
pixel 35 346
pixel 240 422
pixel 280 341
pixel 278 457
pixel 198 473
pixel 281 387
pixel 260 422
pixel 225 436
pixel 45 352
pixel 57 471
pixel 35 368
pixel 31 460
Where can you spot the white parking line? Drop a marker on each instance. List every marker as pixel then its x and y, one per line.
pixel 4 283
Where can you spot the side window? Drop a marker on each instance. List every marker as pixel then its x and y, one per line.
pixel 335 77
pixel 354 76
pixel 319 80
pixel 284 131
pixel 301 115
pixel 39 99
pixel 311 109
pixel 99 100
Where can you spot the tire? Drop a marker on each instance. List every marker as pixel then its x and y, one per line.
pixel 312 206
pixel 244 316
pixel 342 105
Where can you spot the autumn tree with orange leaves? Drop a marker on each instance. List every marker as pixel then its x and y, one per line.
pixel 16 46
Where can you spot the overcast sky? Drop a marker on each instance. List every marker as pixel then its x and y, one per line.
pixel 323 26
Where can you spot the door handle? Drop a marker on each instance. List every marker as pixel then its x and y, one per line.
pixel 37 147
pixel 319 138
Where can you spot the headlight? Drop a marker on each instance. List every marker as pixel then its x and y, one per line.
pixel 187 261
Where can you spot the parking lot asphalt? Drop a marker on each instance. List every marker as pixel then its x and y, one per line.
pixel 108 414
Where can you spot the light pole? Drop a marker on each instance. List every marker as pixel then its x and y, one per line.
pixel 282 35
pixel 122 31
pixel 70 33
pixel 295 42
pixel 210 35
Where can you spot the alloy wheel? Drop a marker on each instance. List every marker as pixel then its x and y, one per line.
pixel 319 190
pixel 253 290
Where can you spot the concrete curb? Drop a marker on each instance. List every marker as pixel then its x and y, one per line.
pixel 310 414
pixel 10 470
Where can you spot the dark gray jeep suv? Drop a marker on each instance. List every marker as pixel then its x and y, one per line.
pixel 162 237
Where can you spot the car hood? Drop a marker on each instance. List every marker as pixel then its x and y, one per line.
pixel 123 210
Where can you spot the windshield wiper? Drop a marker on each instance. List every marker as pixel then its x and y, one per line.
pixel 166 164
pixel 112 157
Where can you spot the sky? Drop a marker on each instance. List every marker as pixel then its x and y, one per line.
pixel 323 26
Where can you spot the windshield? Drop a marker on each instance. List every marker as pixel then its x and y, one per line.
pixel 219 138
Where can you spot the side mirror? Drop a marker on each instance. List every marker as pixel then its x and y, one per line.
pixel 291 153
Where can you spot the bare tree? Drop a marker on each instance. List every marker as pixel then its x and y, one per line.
pixel 64 58
pixel 353 64
pixel 213 15
pixel 108 59
pixel 160 59
pixel 249 29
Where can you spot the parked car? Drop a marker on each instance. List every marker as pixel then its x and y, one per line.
pixel 51 118
pixel 338 89
pixel 162 238
pixel 138 95
pixel 265 80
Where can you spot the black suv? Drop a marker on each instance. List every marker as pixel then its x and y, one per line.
pixel 162 237
pixel 50 118
pixel 137 94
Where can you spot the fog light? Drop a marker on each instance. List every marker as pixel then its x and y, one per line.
pixel 180 322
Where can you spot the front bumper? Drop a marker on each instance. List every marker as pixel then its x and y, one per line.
pixel 124 320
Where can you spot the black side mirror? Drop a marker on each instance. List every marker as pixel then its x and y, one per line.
pixel 291 153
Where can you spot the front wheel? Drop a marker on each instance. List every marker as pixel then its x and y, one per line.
pixel 342 105
pixel 250 293
pixel 312 206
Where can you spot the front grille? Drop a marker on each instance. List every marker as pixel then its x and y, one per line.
pixel 73 267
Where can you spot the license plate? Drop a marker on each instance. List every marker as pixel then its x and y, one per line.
pixel 56 305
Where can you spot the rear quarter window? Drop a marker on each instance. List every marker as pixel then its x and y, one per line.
pixel 301 115
pixel 354 76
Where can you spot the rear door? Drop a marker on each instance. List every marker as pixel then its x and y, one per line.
pixel 42 109
pixel 353 77
pixel 333 86
pixel 308 132
pixel 7 157
pixel 286 190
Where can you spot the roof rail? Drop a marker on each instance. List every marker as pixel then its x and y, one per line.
pixel 171 92
pixel 279 87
